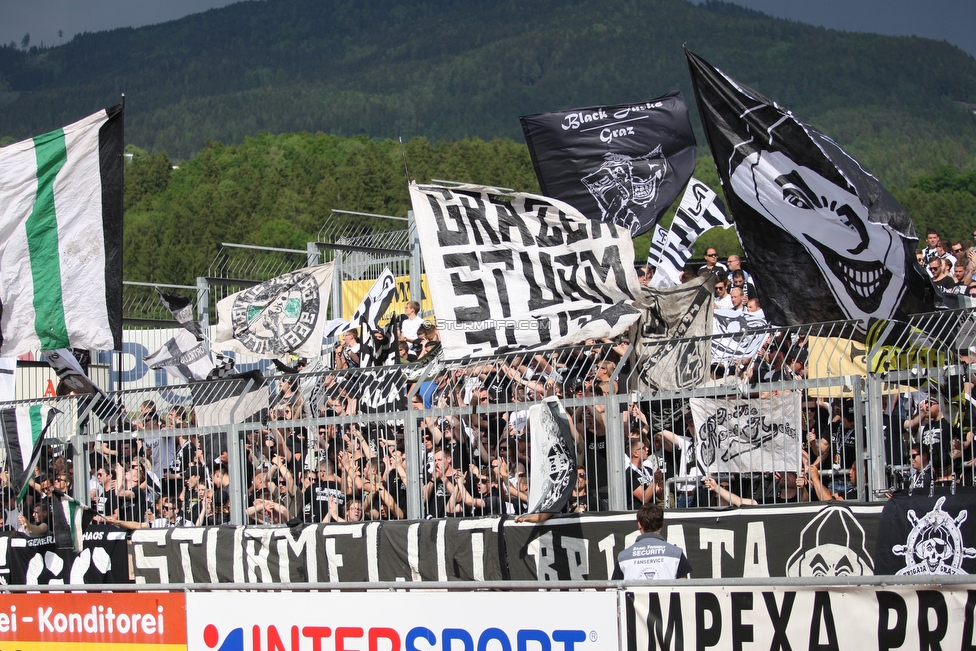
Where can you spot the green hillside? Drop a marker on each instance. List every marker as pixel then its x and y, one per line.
pixel 446 70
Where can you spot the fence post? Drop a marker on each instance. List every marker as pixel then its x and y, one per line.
pixel 876 457
pixel 411 450
pixel 203 305
pixel 416 261
pixel 235 451
pixel 616 445
pixel 314 256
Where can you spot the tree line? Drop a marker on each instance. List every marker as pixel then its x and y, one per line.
pixel 280 191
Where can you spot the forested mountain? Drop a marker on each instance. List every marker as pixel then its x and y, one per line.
pixel 446 69
pixel 281 110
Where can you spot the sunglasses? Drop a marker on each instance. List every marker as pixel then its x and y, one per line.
pixel 715 255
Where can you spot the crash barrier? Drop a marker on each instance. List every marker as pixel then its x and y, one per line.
pixel 759 409
pixel 695 614
pixel 908 535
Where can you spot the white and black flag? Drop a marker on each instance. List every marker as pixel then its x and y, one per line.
pixel 521 271
pixel 182 310
pixel 825 241
pixel 184 357
pixel 700 210
pixel 552 475
pixel 623 164
pixel 74 380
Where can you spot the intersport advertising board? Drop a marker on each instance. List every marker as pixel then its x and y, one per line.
pixel 402 621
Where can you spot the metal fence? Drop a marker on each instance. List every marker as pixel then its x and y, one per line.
pixel 777 415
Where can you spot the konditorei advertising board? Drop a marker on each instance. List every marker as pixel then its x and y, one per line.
pixel 403 621
pixel 102 621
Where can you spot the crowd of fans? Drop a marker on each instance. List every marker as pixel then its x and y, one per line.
pixel 321 453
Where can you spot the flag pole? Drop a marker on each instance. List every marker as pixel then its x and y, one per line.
pixel 118 365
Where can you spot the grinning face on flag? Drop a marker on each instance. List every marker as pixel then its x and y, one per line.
pixel 623 185
pixel 863 262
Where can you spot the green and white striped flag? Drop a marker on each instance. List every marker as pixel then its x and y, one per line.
pixel 69 517
pixel 61 238
pixel 23 431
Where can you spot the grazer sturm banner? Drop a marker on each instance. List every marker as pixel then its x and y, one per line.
pixel 700 210
pixel 801 617
pixel 825 241
pixel 37 560
pixel 623 164
pixel 521 271
pixel 61 238
pixel 734 435
pixel 283 315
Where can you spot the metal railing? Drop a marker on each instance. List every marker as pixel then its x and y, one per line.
pixel 773 415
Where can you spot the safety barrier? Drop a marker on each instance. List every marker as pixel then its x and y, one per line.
pixel 568 617
pixel 783 415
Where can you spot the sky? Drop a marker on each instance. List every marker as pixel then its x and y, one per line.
pixel 950 20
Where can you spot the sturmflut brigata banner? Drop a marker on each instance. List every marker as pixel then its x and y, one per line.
pixel 835 539
pixel 521 271
pixel 623 164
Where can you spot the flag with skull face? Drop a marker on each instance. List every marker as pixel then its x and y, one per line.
pixel 622 164
pixel 823 238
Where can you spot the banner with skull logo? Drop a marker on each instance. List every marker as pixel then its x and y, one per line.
pixel 622 164
pixel 824 240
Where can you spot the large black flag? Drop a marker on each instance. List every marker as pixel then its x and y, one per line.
pixel 624 164
pixel 823 238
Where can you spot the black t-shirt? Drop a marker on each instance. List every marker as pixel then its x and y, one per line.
pixel 437 502
pixel 134 508
pixel 493 506
pixel 316 500
pixel 106 504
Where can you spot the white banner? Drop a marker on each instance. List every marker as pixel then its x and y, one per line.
pixel 744 617
pixel 393 621
pixel 526 273
pixel 739 343
pixel 757 435
pixel 283 315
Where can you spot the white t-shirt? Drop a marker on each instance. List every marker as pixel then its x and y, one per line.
pixel 410 327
